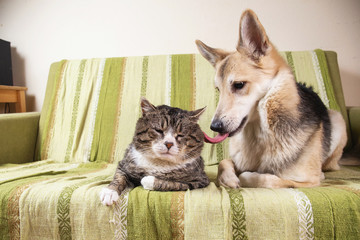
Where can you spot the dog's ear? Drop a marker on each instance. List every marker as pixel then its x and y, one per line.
pixel 213 55
pixel 252 35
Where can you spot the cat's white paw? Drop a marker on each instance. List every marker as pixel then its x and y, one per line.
pixel 148 182
pixel 108 196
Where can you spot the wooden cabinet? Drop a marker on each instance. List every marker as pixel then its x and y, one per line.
pixel 14 94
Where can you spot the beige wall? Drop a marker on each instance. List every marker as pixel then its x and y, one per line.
pixel 43 31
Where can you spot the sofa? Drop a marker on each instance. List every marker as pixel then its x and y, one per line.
pixel 53 164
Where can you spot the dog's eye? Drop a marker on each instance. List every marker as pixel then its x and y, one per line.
pixel 239 85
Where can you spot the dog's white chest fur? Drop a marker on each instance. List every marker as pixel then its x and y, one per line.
pixel 257 147
pixel 246 149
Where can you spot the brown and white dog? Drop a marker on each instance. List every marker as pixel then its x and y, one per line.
pixel 281 134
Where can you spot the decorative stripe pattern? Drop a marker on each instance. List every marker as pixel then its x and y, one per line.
pixel 177 215
pixel 168 80
pixel 144 75
pixel 56 71
pixel 327 81
pixel 149 214
pixel 63 211
pixel 219 147
pixel 129 106
pixel 319 79
pixel 94 110
pixel 144 78
pixel 50 124
pixel 181 81
pixel 13 212
pixel 106 116
pixel 75 110
pixel 336 211
pixel 14 192
pixel 63 207
pixel 120 216
pixel 209 208
pixel 193 87
pixel 290 61
pixel 306 218
pixel 237 214
pixel 119 103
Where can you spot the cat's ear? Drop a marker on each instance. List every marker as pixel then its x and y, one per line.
pixel 146 106
pixel 197 113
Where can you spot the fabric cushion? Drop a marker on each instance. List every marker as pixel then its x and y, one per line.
pixel 18 137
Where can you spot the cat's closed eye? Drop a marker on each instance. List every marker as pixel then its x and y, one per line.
pixel 179 137
pixel 160 131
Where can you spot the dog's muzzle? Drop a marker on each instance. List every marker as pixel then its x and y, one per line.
pixel 217 126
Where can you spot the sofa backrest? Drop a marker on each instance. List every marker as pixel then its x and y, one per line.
pixel 91 106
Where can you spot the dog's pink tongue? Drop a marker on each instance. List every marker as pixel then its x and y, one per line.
pixel 217 139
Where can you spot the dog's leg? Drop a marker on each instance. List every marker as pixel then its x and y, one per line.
pixel 265 180
pixel 227 174
pixel 306 172
pixel 338 141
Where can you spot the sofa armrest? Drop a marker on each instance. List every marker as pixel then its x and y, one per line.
pixel 18 133
pixel 354 119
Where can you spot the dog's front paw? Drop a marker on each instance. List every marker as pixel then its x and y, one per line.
pixel 108 196
pixel 263 180
pixel 148 182
pixel 249 179
pixel 229 179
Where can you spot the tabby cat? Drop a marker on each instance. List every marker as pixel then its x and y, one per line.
pixel 164 154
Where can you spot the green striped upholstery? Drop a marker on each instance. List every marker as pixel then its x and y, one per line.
pixel 88 118
pixel 60 201
pixel 92 105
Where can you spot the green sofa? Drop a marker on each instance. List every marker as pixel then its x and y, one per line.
pixel 53 164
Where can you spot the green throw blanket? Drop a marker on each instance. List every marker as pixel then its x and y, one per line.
pixel 60 201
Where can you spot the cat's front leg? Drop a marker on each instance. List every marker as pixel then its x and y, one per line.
pixel 110 194
pixel 153 183
pixel 148 182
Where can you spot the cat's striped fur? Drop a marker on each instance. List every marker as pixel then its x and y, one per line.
pixel 165 154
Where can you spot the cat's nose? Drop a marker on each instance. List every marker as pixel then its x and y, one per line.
pixel 217 126
pixel 169 144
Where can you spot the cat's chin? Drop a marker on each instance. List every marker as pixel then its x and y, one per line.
pixel 167 157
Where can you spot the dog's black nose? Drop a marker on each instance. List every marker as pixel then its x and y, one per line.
pixel 217 126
